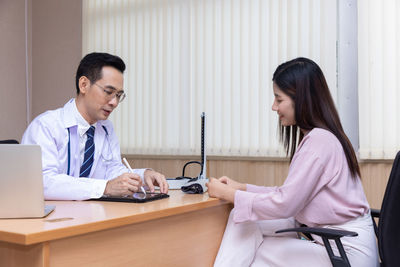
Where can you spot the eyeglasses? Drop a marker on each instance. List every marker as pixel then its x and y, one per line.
pixel 111 93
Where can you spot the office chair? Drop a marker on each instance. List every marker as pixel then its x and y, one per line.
pixel 387 230
pixel 9 141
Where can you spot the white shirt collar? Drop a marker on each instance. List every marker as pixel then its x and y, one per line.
pixel 83 125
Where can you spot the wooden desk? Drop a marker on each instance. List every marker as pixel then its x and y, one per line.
pixel 183 230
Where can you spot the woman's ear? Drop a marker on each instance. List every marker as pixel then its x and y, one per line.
pixel 84 84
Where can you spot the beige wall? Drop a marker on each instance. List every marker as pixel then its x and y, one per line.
pixel 56 52
pixel 13 108
pixel 53 49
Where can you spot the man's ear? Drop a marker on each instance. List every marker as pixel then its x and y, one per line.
pixel 84 84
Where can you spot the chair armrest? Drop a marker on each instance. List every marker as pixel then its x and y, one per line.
pixel 375 213
pixel 326 234
pixel 9 141
pixel 323 232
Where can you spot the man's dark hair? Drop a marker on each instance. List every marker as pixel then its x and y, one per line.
pixel 92 64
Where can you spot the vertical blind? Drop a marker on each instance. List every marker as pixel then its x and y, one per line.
pixel 218 56
pixel 378 78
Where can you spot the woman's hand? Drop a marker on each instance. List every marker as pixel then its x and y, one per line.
pixel 231 183
pixel 221 190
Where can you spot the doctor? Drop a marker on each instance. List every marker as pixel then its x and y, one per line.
pixel 80 150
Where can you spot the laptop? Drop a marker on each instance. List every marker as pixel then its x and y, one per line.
pixel 178 182
pixel 21 182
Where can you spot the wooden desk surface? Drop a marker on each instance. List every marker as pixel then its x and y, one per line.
pixel 72 218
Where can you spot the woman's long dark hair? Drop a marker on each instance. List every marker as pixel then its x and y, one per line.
pixel 303 81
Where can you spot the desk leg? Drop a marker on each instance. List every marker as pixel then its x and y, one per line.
pixel 12 255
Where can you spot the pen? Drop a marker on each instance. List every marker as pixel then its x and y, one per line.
pixel 131 171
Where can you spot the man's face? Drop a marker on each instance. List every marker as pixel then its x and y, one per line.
pixel 98 99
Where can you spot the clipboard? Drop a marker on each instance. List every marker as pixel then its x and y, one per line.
pixel 134 198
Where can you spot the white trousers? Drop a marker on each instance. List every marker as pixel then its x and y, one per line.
pixel 256 244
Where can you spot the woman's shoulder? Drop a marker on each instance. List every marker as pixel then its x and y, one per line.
pixel 320 141
pixel 321 135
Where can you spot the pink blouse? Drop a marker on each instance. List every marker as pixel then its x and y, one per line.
pixel 319 189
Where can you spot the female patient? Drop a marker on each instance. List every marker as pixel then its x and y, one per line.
pixel 323 187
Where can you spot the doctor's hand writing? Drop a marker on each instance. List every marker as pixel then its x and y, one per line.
pixel 152 178
pixel 125 184
pixel 220 188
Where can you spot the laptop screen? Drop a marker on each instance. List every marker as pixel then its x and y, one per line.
pixel 21 181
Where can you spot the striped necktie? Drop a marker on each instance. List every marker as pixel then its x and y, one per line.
pixel 89 153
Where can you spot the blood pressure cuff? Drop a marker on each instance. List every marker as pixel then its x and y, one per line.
pixel 197 186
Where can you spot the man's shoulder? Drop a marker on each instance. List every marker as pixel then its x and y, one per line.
pixel 48 117
pixel 46 124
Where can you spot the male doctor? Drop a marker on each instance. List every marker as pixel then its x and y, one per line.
pixel 80 150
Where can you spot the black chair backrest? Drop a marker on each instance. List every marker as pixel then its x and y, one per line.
pixel 9 141
pixel 389 219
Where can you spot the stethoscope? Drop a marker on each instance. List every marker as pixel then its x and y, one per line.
pixel 105 159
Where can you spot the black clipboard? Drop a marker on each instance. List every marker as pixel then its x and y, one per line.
pixel 134 198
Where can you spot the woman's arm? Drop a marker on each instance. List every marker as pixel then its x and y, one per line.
pixel 286 201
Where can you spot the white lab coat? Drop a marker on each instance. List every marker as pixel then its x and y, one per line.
pixel 50 131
